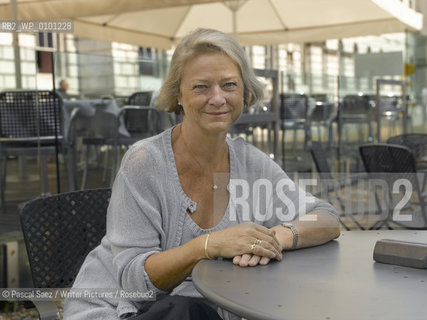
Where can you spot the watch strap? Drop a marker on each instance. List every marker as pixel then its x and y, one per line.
pixel 294 232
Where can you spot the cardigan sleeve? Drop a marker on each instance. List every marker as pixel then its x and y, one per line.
pixel 291 201
pixel 274 197
pixel 134 222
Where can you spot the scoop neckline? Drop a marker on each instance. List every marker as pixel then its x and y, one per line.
pixel 191 204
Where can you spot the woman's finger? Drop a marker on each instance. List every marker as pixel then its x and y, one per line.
pixel 264 260
pixel 236 259
pixel 265 249
pixel 244 261
pixel 269 239
pixel 254 260
pixel 266 231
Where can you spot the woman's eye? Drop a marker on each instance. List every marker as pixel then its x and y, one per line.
pixel 230 84
pixel 200 87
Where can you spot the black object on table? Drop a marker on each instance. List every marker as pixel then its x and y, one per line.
pixel 402 253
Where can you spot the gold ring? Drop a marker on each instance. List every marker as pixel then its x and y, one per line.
pixel 257 241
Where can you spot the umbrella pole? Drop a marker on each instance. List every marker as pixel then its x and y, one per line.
pixel 234 12
pixel 15 43
pixel 234 6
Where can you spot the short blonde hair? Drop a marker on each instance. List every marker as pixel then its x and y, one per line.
pixel 206 41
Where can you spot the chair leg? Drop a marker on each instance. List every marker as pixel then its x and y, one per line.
pixel 283 148
pixel 3 182
pixel 307 137
pixel 371 136
pixel 342 207
pixel 114 168
pixel 106 160
pixel 44 174
pixel 339 137
pixel 86 168
pixel 72 169
pixel 294 142
pixel 330 136
pixel 343 224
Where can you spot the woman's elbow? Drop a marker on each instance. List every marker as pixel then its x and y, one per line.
pixel 335 231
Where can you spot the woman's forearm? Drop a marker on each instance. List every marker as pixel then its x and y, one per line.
pixel 314 228
pixel 167 269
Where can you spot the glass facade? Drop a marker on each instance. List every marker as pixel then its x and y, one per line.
pixel 327 71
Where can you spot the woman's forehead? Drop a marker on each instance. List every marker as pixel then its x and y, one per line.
pixel 206 61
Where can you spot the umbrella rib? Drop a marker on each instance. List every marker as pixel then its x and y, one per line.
pixel 124 29
pixel 181 22
pixel 285 27
pixel 319 27
pixel 106 23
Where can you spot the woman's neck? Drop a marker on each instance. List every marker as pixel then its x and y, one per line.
pixel 209 150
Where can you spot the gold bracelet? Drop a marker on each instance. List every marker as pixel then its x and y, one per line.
pixel 206 247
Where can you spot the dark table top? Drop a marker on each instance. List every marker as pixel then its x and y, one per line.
pixel 339 280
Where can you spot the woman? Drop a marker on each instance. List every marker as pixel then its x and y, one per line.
pixel 191 193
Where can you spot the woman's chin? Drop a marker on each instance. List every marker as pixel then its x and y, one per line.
pixel 218 127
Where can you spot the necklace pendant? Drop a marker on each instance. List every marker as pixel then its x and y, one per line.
pixel 215 187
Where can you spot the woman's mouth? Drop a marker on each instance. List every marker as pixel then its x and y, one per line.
pixel 216 114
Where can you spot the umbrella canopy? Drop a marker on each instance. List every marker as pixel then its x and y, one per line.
pixel 160 23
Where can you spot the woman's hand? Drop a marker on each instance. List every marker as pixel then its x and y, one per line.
pixel 245 239
pixel 250 260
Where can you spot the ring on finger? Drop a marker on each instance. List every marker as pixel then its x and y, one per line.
pixel 256 242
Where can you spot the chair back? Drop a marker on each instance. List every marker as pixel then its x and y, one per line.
pixel 390 163
pixel 355 105
pixel 60 231
pixel 140 121
pixel 320 160
pixel 416 142
pixel 387 158
pixel 293 106
pixel 27 114
pixel 95 122
pixel 141 98
pixel 323 112
pixel 389 104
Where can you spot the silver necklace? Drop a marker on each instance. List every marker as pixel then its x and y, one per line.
pixel 214 186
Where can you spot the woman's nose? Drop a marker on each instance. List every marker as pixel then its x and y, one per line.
pixel 217 97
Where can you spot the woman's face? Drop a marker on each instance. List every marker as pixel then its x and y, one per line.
pixel 211 92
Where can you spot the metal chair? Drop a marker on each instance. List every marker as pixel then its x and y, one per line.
pixel 417 143
pixel 59 232
pixel 140 98
pixel 92 125
pixel 324 114
pixel 328 181
pixel 295 115
pixel 30 125
pixel 247 129
pixel 392 163
pixel 390 109
pixel 141 122
pixel 354 109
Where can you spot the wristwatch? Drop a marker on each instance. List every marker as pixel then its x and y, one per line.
pixel 294 232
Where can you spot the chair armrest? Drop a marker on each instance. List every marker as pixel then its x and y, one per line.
pixel 47 310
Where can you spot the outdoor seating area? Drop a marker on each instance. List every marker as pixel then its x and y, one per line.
pixel 147 147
